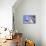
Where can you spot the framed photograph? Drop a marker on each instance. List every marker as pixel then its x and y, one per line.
pixel 29 19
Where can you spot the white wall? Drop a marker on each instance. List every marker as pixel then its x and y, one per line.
pixel 43 22
pixel 30 31
pixel 36 31
pixel 6 13
pixel 6 18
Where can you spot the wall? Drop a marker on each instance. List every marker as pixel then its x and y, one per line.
pixel 30 31
pixel 6 18
pixel 43 22
pixel 6 13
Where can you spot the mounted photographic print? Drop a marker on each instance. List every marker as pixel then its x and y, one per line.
pixel 29 19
